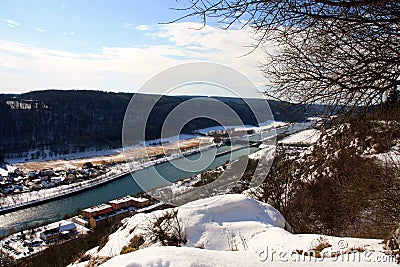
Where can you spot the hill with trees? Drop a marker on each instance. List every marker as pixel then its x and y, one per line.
pixel 55 122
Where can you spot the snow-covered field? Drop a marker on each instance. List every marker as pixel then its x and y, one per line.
pixel 306 137
pixel 235 230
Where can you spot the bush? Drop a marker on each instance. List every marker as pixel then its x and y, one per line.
pixel 321 245
pixel 136 242
pixel 167 229
pixel 127 249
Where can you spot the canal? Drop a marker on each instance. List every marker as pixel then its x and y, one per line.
pixel 55 210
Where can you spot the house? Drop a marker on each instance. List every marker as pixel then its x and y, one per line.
pixel 141 202
pixel 14 172
pixel 56 180
pixel 4 185
pixel 67 227
pixel 129 201
pixel 71 178
pixel 122 203
pixel 46 184
pixel 18 186
pixel 3 173
pixel 116 209
pixel 108 219
pixel 64 229
pixel 96 211
pixel 32 175
pixel 50 234
pixel 8 189
pixel 46 173
pixel 45 178
pixel 80 221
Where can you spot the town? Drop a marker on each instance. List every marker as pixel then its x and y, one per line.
pixel 31 241
pixel 14 181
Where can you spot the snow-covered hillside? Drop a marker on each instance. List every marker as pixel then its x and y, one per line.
pixel 234 230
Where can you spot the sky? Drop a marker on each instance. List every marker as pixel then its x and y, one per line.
pixel 110 45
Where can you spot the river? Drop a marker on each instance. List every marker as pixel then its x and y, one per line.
pixel 55 210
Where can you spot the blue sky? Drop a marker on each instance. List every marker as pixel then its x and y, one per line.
pixel 108 45
pixel 83 26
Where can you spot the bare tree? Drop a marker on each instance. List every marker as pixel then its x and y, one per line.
pixel 340 64
pixel 269 15
pixel 338 52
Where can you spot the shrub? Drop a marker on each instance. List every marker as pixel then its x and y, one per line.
pixel 136 242
pixel 167 229
pixel 127 249
pixel 321 244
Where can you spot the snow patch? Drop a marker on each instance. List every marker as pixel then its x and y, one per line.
pixel 306 137
pixel 264 153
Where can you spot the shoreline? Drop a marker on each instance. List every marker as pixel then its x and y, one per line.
pixel 96 182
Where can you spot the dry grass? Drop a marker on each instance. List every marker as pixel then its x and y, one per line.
pixel 120 157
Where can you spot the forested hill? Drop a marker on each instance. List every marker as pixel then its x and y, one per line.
pixel 60 122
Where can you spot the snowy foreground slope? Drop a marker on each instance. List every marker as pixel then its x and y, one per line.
pixel 235 230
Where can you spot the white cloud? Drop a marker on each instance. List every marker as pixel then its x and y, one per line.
pixel 10 23
pixel 26 67
pixel 40 29
pixel 68 33
pixel 143 27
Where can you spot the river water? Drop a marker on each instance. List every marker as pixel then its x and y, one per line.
pixel 126 185
pixel 55 210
